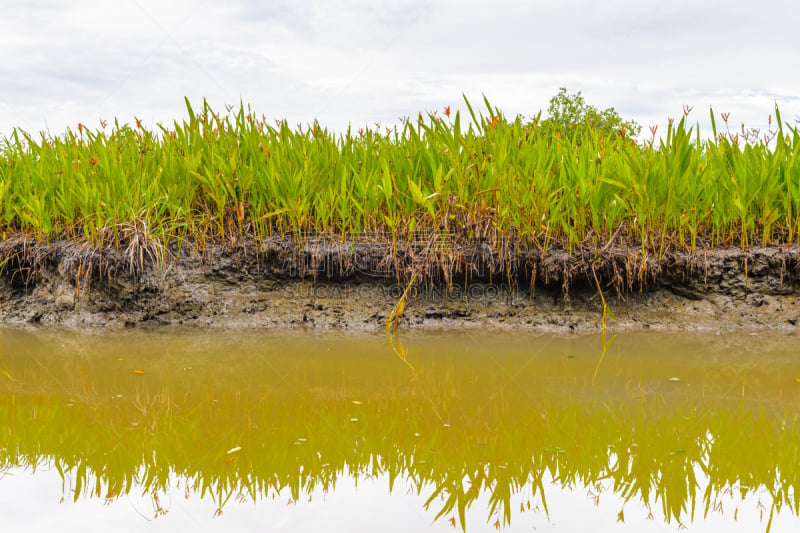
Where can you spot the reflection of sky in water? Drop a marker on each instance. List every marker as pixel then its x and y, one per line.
pixel 291 413
pixel 32 503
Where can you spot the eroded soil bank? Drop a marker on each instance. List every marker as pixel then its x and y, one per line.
pixel 329 283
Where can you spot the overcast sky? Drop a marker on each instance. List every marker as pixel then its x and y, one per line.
pixel 367 61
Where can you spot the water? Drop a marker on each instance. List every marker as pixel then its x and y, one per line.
pixel 186 430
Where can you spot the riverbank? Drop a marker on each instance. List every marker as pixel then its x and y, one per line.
pixel 229 220
pixel 331 283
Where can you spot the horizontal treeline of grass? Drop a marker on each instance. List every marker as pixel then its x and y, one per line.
pixel 481 176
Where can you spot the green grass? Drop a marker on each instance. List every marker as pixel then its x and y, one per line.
pixel 480 176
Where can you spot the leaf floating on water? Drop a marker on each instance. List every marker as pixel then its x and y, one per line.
pixel 356 402
pixel 233 450
pixel 138 372
pixel 674 379
pixel 797 380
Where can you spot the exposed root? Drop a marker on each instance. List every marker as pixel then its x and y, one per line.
pixel 435 259
pixel 141 244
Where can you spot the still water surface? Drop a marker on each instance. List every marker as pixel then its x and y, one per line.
pixel 189 430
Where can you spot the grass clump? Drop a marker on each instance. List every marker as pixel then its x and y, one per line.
pixel 485 177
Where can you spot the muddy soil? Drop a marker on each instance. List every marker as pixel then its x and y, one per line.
pixel 331 284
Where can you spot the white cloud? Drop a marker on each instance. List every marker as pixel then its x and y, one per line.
pixel 365 61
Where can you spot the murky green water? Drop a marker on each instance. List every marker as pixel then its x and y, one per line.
pixel 192 430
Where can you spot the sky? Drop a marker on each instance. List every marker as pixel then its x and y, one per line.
pixel 366 62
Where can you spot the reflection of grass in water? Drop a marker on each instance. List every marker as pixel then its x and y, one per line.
pixel 453 432
pixel 503 446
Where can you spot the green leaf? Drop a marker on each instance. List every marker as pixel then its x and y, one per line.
pixel 416 193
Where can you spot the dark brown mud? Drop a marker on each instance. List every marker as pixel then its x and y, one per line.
pixel 278 282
